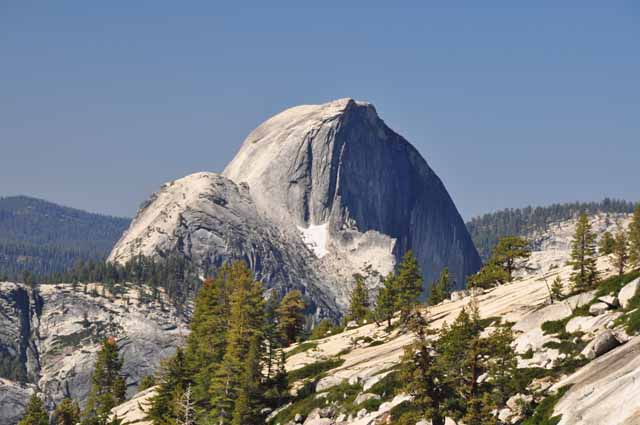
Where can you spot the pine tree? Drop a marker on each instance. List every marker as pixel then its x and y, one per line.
pixel 441 288
pixel 556 289
pixel 510 254
pixel 291 316
pixel 174 377
pixel 606 244
pixel 620 252
pixel 386 300
pixel 488 276
pixel 66 413
pixel 207 343
pixel 35 413
pixel 583 256
pixel 502 365
pixel 425 379
pixel 359 303
pixel 634 238
pixel 235 380
pixel 408 284
pixel 108 386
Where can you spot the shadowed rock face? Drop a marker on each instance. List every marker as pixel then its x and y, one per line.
pixel 315 194
pixel 338 163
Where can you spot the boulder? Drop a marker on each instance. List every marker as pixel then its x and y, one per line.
pixel 628 292
pixel 610 300
pixel 459 295
pixel 361 398
pixel 604 342
pixel 516 402
pixel 598 308
pixel 591 324
pixel 328 382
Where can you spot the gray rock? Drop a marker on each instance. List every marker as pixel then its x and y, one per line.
pixel 604 342
pixel 628 292
pixel 13 400
pixel 610 300
pixel 597 309
pixel 459 295
pixel 327 156
pixel 51 341
pixel 361 398
pixel 516 402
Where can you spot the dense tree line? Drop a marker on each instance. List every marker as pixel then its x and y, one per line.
pixel 42 238
pixel 487 229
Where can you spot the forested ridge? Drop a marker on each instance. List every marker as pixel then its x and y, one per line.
pixel 487 229
pixel 44 238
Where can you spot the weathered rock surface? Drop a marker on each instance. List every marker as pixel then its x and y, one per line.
pixel 605 391
pixel 604 342
pixel 339 167
pixel 628 292
pixel 315 194
pixel 59 330
pixel 597 309
pixel 134 411
pixel 211 220
pixel 13 399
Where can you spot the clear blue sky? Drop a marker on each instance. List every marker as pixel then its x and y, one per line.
pixel 103 101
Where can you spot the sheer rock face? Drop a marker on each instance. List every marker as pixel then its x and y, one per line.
pixel 211 220
pixel 314 195
pixel 339 165
pixel 54 332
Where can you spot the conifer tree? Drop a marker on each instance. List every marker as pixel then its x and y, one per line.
pixel 235 380
pixel 510 254
pixel 606 244
pixel 441 288
pixel 207 343
pixel 583 255
pixel 386 300
pixel 634 238
pixel 421 370
pixel 359 302
pixel 620 252
pixel 174 378
pixel 108 385
pixel 556 289
pixel 502 366
pixel 488 276
pixel 291 316
pixel 408 284
pixel 66 413
pixel 35 413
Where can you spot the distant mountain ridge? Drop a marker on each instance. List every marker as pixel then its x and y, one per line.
pixel 487 229
pixel 42 237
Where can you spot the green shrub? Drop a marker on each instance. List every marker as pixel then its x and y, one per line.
pixel 554 326
pixel 542 414
pixel 314 370
pixel 614 284
pixel 388 386
pixel 305 346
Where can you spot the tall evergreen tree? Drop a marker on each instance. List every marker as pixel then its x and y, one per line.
pixel 66 413
pixel 441 288
pixel 510 254
pixel 556 289
pixel 174 378
pixel 620 252
pixel 207 342
pixel 236 376
pixel 108 385
pixel 606 244
pixel 359 301
pixel 583 255
pixel 421 370
pixel 408 283
pixel 291 316
pixel 35 413
pixel 634 238
pixel 386 300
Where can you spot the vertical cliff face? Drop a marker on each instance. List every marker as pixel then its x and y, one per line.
pixel 354 187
